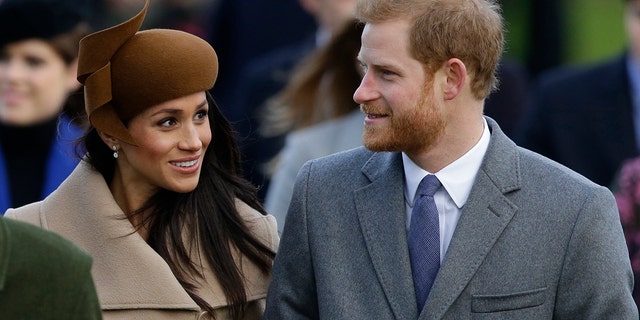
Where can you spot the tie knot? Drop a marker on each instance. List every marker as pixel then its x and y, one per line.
pixel 429 185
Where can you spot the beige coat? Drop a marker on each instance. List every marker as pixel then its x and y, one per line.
pixel 132 280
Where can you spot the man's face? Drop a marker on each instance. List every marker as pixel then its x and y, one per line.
pixel 397 97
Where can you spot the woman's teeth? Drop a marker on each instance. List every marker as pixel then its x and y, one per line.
pixel 185 163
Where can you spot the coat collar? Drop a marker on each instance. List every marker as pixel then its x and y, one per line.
pixel 128 273
pixel 484 217
pixel 382 219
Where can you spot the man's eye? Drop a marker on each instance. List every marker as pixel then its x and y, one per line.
pixel 387 73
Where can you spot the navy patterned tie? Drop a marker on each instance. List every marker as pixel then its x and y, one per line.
pixel 424 239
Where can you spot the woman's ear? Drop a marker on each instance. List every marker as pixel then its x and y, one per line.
pixel 108 139
pixel 456 73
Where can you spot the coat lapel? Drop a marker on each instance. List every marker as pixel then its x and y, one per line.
pixel 128 273
pixel 484 217
pixel 382 221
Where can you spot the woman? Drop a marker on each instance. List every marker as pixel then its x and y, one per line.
pixel 174 231
pixel 38 64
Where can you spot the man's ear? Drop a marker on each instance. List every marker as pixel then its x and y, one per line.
pixel 456 76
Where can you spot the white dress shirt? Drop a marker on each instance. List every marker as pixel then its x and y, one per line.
pixel 457 179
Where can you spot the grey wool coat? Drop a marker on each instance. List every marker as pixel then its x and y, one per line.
pixel 535 241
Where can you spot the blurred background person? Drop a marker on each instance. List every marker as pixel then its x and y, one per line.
pixel 185 15
pixel 40 113
pixel 174 231
pixel 506 104
pixel 266 75
pixel 626 189
pixel 242 30
pixel 315 112
pixel 624 110
pixel 588 117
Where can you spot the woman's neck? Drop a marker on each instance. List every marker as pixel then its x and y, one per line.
pixel 132 200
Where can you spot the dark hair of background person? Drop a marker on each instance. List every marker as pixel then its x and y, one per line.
pixel 211 204
pixel 306 100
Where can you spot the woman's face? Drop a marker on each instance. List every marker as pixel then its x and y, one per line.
pixel 172 140
pixel 34 82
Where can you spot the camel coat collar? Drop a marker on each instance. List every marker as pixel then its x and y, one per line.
pixel 128 273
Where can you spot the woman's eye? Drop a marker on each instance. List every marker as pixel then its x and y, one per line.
pixel 201 115
pixel 167 122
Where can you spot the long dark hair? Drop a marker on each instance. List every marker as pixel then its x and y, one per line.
pixel 210 208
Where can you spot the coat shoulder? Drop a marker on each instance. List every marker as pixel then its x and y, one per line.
pixel 264 227
pixel 29 213
pixel 539 168
pixel 357 157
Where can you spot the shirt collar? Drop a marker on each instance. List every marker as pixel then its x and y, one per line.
pixel 457 177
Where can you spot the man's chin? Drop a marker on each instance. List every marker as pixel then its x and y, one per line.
pixel 379 146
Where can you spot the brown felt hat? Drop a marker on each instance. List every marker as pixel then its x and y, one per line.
pixel 125 71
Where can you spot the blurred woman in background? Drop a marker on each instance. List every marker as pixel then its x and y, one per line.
pixel 38 64
pixel 316 111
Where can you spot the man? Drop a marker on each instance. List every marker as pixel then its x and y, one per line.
pixel 43 276
pixel 516 236
pixel 588 118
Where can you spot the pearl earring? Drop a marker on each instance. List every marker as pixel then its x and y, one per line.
pixel 115 151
